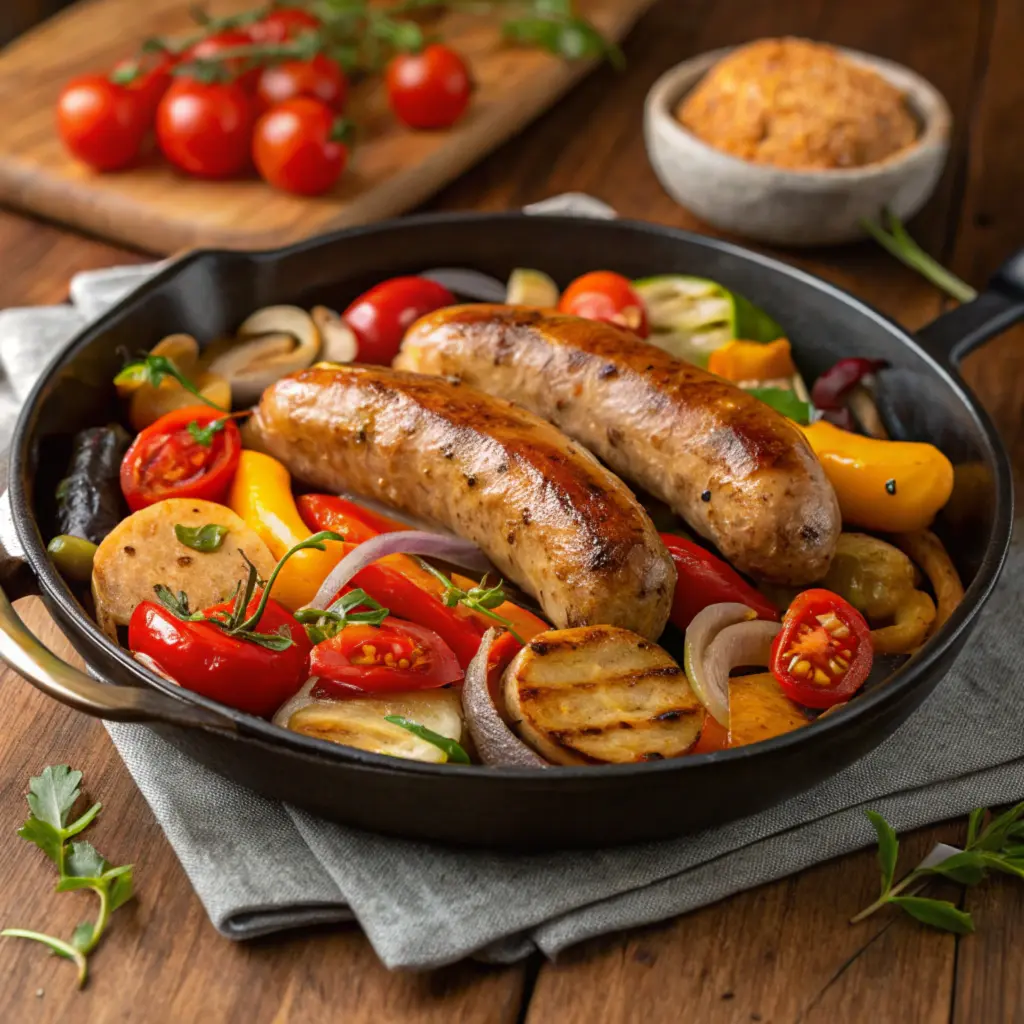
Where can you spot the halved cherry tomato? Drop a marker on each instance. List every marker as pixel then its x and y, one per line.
pixel 702 580
pixel 380 317
pixel 429 89
pixel 205 128
pixel 823 653
pixel 354 522
pixel 203 658
pixel 166 461
pixel 283 24
pixel 299 146
pixel 604 295
pixel 389 658
pixel 240 69
pixel 320 79
pixel 101 123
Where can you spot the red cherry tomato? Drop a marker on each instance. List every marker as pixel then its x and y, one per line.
pixel 380 317
pixel 823 653
pixel 203 658
pixel 205 129
pixel 149 77
pixel 101 123
pixel 297 146
pixel 319 79
pixel 603 295
pixel 239 68
pixel 389 658
pixel 166 461
pixel 283 24
pixel 429 89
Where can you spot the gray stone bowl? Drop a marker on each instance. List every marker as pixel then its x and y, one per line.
pixel 785 207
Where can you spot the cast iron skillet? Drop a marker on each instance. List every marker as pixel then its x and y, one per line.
pixel 208 293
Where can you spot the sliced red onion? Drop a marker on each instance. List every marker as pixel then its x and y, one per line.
pixel 747 644
pixel 495 742
pixel 372 505
pixel 699 634
pixel 402 542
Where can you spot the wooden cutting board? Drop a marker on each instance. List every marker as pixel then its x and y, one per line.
pixel 392 169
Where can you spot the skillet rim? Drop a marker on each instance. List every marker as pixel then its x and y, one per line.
pixel 913 673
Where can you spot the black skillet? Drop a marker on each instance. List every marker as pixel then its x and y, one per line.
pixel 208 293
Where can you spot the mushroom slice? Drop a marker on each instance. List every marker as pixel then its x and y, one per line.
pixel 273 342
pixel 338 340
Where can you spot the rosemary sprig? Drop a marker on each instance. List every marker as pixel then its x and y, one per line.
pixel 479 599
pixel 322 625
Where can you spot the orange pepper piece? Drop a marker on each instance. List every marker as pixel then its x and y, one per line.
pixel 753 360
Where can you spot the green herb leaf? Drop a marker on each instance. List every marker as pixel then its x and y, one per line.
pixel 151 370
pixel 998 830
pixel 204 435
pixel 784 401
pixel 888 848
pixel 478 599
pixel 121 885
pixel 936 913
pixel 82 936
pixel 322 625
pixel 53 793
pixel 176 605
pixel 571 38
pixel 84 861
pixel 454 751
pixel 201 538
pixel 58 946
pixel 974 823
pixel 967 868
pixel 49 839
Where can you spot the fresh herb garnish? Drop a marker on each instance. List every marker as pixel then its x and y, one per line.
pixel 235 623
pixel 478 599
pixel 51 798
pixel 203 435
pixel 201 538
pixel 454 751
pixel 894 237
pixel 151 370
pixel 322 625
pixel 785 401
pixel 997 845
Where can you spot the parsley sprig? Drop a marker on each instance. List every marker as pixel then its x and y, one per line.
pixel 235 622
pixel 479 599
pixel 993 844
pixel 355 607
pixel 51 798
pixel 151 370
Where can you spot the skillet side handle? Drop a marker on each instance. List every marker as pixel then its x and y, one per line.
pixel 956 333
pixel 23 652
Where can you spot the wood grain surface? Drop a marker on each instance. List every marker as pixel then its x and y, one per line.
pixel 781 953
pixel 392 168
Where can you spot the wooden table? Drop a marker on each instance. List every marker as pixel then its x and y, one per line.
pixel 781 953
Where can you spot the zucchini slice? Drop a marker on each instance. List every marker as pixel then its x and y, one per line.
pixel 600 695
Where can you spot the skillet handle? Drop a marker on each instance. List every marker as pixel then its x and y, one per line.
pixel 956 333
pixel 20 649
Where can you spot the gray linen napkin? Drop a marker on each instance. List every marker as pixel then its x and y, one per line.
pixel 424 905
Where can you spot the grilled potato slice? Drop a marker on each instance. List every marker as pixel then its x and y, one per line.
pixel 600 695
pixel 360 722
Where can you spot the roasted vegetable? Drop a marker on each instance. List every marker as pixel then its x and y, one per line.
pixel 531 288
pixel 72 556
pixel 928 551
pixel 890 486
pixel 913 621
pixel 760 710
pixel 752 361
pixel 600 695
pixel 143 550
pixel 89 501
pixel 873 576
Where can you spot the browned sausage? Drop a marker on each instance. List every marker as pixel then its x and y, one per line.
pixel 543 509
pixel 738 472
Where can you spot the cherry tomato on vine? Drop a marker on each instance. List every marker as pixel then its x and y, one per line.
pixel 205 129
pixel 823 653
pixel 429 89
pixel 149 76
pixel 100 122
pixel 167 461
pixel 283 24
pixel 298 146
pixel 320 79
pixel 204 658
pixel 604 295
pixel 240 69
pixel 389 658
pixel 380 317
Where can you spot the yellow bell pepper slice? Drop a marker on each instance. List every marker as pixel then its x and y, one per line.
pixel 752 360
pixel 261 494
pixel 889 486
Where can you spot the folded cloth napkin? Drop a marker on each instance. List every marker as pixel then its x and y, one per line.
pixel 261 867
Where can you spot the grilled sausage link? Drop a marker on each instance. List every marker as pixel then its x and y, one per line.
pixel 737 471
pixel 545 511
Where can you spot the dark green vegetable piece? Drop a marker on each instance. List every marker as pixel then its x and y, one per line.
pixel 89 499
pixel 72 556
